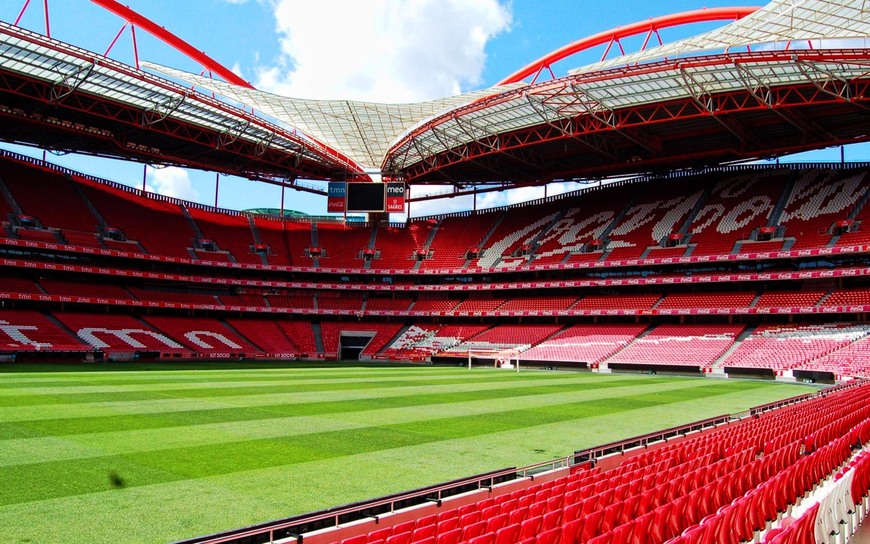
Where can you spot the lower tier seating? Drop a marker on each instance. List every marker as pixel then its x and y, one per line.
pixel 584 343
pixel 690 345
pixel 839 348
pixel 783 347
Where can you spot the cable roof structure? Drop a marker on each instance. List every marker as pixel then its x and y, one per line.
pixel 362 130
pixel 788 77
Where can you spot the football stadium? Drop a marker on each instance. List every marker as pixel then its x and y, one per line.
pixel 675 350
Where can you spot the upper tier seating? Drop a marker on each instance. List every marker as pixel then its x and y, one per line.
pixel 818 200
pixel 736 206
pixel 27 330
pixel 769 246
pixel 586 220
pixel 667 252
pixel 286 240
pixel 139 218
pixel 584 343
pixel 627 221
pixel 232 233
pixel 455 236
pixel 685 345
pixel 64 209
pixel 782 347
pixel 341 245
pixel 510 243
pixel 657 212
pixel 396 246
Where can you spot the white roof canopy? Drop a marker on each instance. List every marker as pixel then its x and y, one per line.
pixel 779 22
pixel 375 135
pixel 363 131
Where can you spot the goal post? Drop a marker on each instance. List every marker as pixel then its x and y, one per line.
pixel 508 359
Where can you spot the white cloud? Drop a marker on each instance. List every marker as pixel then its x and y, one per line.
pixel 508 197
pixel 381 50
pixel 171 181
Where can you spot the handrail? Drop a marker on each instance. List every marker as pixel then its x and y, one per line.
pixel 590 455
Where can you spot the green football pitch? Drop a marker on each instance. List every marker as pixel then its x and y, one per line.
pixel 157 453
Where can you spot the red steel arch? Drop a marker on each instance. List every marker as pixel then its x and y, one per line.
pixel 649 26
pixel 172 40
pixel 204 60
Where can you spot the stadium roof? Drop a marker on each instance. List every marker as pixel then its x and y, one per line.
pixel 753 88
pixel 461 139
pixel 361 130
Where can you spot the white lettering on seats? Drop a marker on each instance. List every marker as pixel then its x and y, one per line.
pixel 571 234
pixel 193 336
pixel 674 215
pixel 743 213
pixel 495 251
pixel 88 334
pixel 813 197
pixel 14 332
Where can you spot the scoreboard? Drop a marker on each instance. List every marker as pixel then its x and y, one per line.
pixel 366 197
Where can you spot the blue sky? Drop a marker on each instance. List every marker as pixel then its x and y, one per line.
pixel 379 50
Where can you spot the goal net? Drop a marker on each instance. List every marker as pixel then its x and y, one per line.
pixel 508 359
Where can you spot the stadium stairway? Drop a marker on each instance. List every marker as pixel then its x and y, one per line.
pixel 717 364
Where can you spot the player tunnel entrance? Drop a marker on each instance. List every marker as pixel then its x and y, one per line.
pixel 352 343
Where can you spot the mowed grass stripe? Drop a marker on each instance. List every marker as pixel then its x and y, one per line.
pixel 129 422
pixel 185 508
pixel 53 448
pixel 207 380
pixel 25 483
pixel 175 404
pixel 58 396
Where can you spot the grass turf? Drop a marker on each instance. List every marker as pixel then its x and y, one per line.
pixel 154 453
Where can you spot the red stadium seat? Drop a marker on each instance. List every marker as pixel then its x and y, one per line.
pixel 509 534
